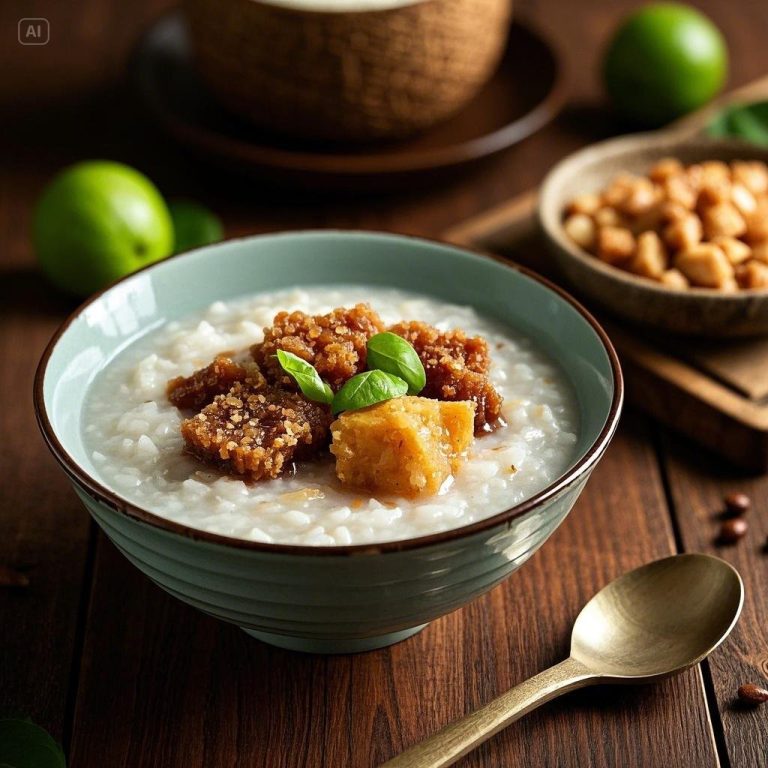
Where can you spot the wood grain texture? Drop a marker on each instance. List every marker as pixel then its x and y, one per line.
pixel 697 484
pixel 43 532
pixel 234 701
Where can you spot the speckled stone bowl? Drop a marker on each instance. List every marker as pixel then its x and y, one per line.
pixel 326 599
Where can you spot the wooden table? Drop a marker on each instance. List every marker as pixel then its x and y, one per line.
pixel 127 676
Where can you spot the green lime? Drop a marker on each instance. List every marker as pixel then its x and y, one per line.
pixel 665 60
pixel 98 221
pixel 26 745
pixel 194 225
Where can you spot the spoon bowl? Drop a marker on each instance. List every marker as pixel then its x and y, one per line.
pixel 659 619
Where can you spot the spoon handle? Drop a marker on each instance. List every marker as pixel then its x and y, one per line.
pixel 463 735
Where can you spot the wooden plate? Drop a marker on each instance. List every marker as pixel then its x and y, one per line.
pixel 524 94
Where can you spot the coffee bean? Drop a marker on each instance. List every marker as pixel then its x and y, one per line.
pixel 737 503
pixel 753 694
pixel 732 530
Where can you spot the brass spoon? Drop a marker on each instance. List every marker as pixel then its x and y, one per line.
pixel 648 624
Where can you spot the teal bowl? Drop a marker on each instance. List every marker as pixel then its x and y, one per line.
pixel 327 599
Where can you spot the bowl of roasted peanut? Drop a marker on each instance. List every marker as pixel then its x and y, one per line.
pixel 668 232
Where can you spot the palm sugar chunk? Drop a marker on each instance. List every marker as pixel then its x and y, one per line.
pixel 257 431
pixel 456 366
pixel 199 389
pixel 407 446
pixel 335 343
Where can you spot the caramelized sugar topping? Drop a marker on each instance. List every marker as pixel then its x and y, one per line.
pixel 456 366
pixel 334 343
pixel 257 431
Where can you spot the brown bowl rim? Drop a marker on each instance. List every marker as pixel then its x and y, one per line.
pixel 551 221
pixel 113 501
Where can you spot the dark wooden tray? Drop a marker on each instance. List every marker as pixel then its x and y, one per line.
pixel 714 392
pixel 508 109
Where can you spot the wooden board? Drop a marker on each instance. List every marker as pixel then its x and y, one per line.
pixel 714 392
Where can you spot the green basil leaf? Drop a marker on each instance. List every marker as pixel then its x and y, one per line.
pixel 393 354
pixel 742 121
pixel 306 376
pixel 368 388
pixel 26 745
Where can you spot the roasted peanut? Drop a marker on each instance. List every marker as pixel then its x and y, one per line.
pixel 674 278
pixel 665 168
pixel 760 251
pixel 743 199
pixel 671 211
pixel 618 189
pixel 706 265
pixel 581 229
pixel 641 197
pixel 713 192
pixel 683 233
pixel 608 217
pixel 757 223
pixel 753 274
pixel 723 220
pixel 650 259
pixel 753 175
pixel 736 250
pixel 713 171
pixel 615 244
pixel 587 203
pixel 677 189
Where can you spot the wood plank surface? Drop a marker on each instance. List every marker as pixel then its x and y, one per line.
pixel 163 685
pixel 697 483
pixel 43 532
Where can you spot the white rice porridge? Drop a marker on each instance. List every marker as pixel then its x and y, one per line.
pixel 132 432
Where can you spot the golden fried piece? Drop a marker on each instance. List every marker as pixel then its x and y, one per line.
pixel 334 343
pixel 202 386
pixel 456 367
pixel 257 431
pixel 407 446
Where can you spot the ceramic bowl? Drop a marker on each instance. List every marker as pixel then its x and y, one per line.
pixel 326 599
pixel 702 312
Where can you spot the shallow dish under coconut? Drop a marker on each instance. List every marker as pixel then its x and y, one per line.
pixel 347 70
pixel 327 598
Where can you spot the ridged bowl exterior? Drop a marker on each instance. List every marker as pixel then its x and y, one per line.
pixel 331 604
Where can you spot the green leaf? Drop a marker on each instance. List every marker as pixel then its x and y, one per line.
pixel 742 121
pixel 393 354
pixel 306 376
pixel 26 745
pixel 368 388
